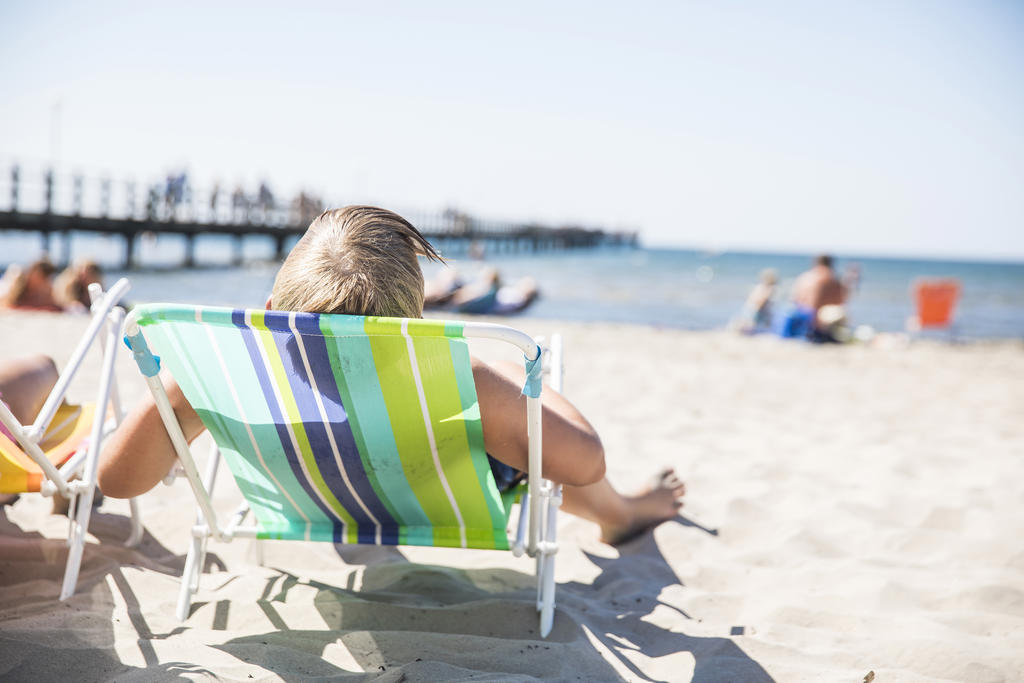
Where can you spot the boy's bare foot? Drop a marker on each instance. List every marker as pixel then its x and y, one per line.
pixel 659 503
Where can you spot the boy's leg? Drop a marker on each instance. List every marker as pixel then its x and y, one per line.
pixel 25 383
pixel 623 517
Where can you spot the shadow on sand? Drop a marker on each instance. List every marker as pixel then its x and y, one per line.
pixel 78 642
pixel 492 614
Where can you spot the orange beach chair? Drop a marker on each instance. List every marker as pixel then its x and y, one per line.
pixel 935 300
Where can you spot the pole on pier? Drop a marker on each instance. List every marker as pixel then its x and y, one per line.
pixel 152 200
pixel 15 173
pixel 48 180
pixel 105 197
pixel 130 198
pixel 77 196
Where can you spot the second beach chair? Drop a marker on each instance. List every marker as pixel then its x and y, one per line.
pixel 59 452
pixel 347 429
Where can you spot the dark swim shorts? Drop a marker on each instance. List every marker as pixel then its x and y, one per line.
pixel 505 476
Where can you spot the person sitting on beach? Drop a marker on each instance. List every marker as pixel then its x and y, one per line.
pixel 818 300
pixel 25 383
pixel 31 288
pixel 439 290
pixel 479 295
pixel 71 288
pixel 362 260
pixel 516 297
pixel 756 315
pixel 484 296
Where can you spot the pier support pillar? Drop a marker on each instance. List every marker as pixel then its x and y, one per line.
pixel 190 251
pixel 129 250
pixel 66 235
pixel 237 258
pixel 279 247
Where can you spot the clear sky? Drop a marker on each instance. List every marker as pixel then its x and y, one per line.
pixel 859 127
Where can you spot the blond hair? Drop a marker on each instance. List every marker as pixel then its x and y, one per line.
pixel 359 260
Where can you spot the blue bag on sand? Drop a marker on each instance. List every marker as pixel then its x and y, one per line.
pixel 796 323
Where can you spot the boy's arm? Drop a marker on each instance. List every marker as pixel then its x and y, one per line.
pixel 572 450
pixel 140 453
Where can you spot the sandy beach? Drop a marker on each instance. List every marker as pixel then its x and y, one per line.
pixel 849 510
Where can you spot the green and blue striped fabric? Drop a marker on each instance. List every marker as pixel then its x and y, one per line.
pixel 339 428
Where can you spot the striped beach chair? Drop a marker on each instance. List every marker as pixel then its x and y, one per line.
pixel 346 429
pixel 59 452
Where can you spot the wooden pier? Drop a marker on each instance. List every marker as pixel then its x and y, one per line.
pixel 192 214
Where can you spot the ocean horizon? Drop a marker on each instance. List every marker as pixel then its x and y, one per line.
pixel 677 288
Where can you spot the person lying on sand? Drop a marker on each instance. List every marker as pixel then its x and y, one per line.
pixel 361 260
pixel 25 384
pixel 486 295
pixel 31 288
pixel 71 288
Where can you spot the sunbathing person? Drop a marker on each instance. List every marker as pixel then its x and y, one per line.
pixel 363 261
pixel 31 288
pixel 439 290
pixel 71 288
pixel 24 385
pixel 756 315
pixel 480 295
pixel 486 295
pixel 516 297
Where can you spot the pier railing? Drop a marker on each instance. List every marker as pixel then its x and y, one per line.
pixel 56 205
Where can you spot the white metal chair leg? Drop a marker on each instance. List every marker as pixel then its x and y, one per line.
pixel 539 573
pixel 546 559
pixel 547 610
pixel 83 502
pixel 135 537
pixel 76 546
pixel 72 521
pixel 189 578
pixel 196 557
pixel 547 578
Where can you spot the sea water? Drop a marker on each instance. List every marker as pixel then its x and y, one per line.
pixel 663 287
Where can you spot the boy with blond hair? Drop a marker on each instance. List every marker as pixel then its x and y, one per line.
pixel 362 260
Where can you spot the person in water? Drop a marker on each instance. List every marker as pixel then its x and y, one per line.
pixel 362 260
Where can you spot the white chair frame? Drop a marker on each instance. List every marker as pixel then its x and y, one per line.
pixel 105 326
pixel 538 518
